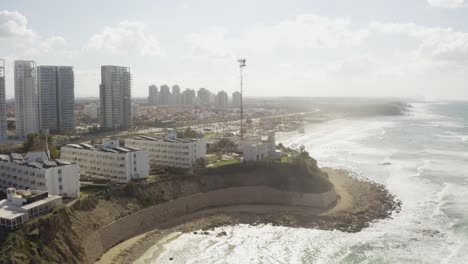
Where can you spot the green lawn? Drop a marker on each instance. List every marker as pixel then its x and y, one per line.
pixel 225 162
pixel 209 135
pixel 285 159
pixel 88 190
pixel 212 158
pixel 152 178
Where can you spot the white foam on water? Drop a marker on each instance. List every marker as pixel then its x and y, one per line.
pixel 430 180
pixel 453 137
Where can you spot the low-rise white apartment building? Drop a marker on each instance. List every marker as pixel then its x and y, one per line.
pixel 108 161
pixel 23 205
pixel 170 151
pixel 36 171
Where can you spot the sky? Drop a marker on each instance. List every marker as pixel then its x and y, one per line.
pixel 399 48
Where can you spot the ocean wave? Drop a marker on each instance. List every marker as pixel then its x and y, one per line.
pixel 457 137
pixel 445 153
pixel 445 123
pixel 427 173
pixel 423 111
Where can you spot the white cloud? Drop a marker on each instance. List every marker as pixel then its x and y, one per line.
pixel 354 66
pixel 212 43
pixel 411 56
pixel 435 42
pixel 447 3
pixel 308 31
pixel 24 41
pixel 14 24
pixel 125 38
pixel 54 44
pixel 301 32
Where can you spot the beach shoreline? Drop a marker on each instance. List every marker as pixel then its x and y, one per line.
pixel 359 204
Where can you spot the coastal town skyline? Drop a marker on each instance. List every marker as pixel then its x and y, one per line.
pixel 310 48
pixel 209 131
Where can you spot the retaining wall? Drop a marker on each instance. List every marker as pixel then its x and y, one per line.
pixel 150 218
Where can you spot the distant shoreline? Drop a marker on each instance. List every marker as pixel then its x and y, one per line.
pixel 359 204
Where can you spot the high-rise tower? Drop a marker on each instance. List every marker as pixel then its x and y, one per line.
pixel 3 122
pixel 164 95
pixel 153 95
pixel 115 97
pixel 26 98
pixel 56 86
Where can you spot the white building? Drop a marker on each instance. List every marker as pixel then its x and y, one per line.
pixel 3 122
pixel 115 97
pixel 108 161
pixel 36 171
pixel 257 147
pixel 170 151
pixel 91 110
pixel 26 98
pixel 23 205
pixel 256 152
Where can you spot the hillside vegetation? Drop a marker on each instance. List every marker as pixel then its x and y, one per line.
pixel 57 237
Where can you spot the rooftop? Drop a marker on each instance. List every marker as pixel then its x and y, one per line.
pixel 176 140
pixel 10 210
pixel 33 160
pixel 102 148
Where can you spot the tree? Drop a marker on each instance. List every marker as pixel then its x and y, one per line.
pixel 303 152
pixel 189 133
pixel 225 144
pixel 37 141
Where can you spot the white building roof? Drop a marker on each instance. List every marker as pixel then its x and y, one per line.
pixel 33 160
pixel 8 210
pixel 50 198
pixel 109 149
pixel 176 140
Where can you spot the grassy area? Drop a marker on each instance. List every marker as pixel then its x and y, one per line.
pixel 210 135
pixel 152 178
pixel 225 162
pixel 89 190
pixel 286 159
pixel 212 158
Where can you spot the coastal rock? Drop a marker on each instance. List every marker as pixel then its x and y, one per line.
pixel 223 233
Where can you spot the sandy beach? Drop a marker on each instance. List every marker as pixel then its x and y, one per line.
pixel 359 203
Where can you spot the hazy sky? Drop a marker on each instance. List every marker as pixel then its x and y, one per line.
pixel 302 48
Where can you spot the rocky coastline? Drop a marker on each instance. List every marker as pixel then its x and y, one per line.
pixel 109 229
pixel 359 204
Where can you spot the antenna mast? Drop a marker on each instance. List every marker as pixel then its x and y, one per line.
pixel 241 66
pixel 46 132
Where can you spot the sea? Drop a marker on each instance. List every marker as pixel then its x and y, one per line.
pixel 421 157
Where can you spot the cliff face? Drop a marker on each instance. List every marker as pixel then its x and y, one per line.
pixel 49 236
pixel 80 233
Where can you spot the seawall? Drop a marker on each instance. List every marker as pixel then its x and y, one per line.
pixel 156 216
